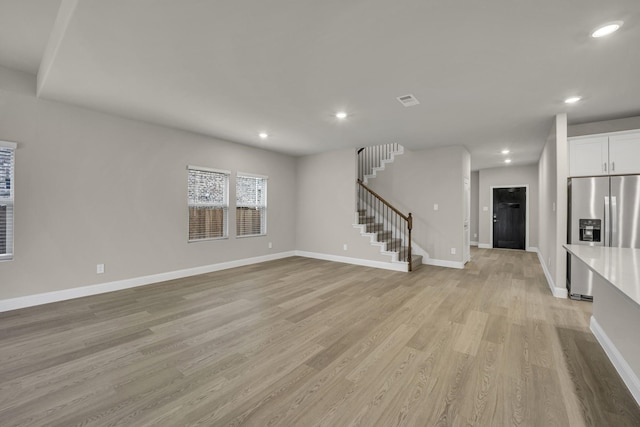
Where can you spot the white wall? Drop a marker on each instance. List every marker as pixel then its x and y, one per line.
pixel 326 195
pixel 475 205
pixel 562 175
pixel 507 176
pixel 93 188
pixel 547 200
pixel 416 181
pixel 604 126
pixel 552 178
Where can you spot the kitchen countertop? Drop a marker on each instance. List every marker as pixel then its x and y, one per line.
pixel 618 266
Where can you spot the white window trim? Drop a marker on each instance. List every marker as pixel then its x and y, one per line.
pixel 10 200
pixel 227 206
pixel 208 239
pixel 253 175
pixel 206 169
pixel 7 144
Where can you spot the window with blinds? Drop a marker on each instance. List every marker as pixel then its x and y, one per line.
pixel 251 205
pixel 7 163
pixel 208 203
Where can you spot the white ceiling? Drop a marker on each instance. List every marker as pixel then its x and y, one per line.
pixel 25 26
pixel 489 74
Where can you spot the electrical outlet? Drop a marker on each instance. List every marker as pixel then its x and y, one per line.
pixel 475 235
pixel 435 206
pixel 270 245
pixel 99 268
pixel 453 251
pixel 344 246
pixel 485 209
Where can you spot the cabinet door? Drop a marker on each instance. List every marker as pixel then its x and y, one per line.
pixel 588 156
pixel 624 154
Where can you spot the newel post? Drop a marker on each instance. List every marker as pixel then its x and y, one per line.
pixel 409 226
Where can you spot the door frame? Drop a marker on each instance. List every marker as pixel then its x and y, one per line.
pixel 466 238
pixel 526 212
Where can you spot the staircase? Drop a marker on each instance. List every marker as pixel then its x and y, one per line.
pixel 372 160
pixel 377 219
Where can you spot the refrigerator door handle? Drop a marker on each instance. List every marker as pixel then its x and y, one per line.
pixel 614 222
pixel 606 219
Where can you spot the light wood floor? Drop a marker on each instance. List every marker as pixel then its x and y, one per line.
pixel 301 342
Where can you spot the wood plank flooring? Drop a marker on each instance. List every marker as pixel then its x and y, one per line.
pixel 302 342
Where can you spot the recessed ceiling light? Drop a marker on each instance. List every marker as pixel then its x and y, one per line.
pixel 263 135
pixel 572 99
pixel 507 160
pixel 606 29
pixel 505 151
pixel 341 115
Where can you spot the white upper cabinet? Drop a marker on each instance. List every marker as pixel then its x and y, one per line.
pixel 588 156
pixel 624 154
pixel 614 154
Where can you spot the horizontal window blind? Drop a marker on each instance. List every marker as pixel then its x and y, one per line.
pixel 251 205
pixel 208 203
pixel 7 164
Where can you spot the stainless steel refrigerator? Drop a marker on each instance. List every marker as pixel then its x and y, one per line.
pixel 603 211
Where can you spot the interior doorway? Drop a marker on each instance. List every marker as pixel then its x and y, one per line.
pixel 509 217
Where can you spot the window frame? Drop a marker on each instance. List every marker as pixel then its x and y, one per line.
pixel 263 208
pixel 10 201
pixel 225 205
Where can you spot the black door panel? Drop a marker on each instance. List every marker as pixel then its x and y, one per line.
pixel 509 217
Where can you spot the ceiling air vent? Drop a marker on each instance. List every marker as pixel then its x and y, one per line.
pixel 408 100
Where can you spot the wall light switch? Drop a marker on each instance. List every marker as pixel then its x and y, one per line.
pixel 435 207
pixel 485 209
pixel 453 251
pixel 344 246
pixel 475 235
pixel 99 268
pixel 553 206
pixel 270 245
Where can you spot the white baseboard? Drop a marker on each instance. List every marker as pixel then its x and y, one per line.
pixel 473 243
pixel 532 249
pixel 560 293
pixel 101 288
pixel 395 266
pixel 443 263
pixel 628 376
pixel 557 292
pixel 485 246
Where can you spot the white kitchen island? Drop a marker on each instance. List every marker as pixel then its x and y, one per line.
pixel 615 321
